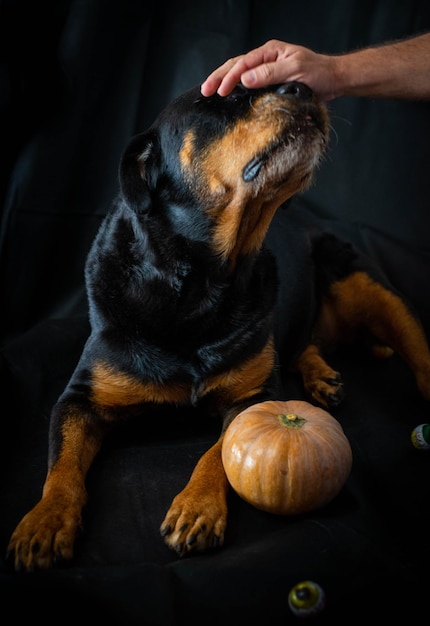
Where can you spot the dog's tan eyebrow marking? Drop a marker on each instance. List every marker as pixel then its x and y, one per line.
pixel 187 150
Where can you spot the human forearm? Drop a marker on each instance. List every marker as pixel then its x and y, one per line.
pixel 395 70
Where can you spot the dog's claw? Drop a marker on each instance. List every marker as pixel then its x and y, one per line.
pixel 8 556
pixel 195 522
pixel 165 530
pixel 326 391
pixel 13 563
pixel 334 399
pixel 333 402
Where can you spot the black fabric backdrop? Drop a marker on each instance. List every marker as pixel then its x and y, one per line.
pixel 78 79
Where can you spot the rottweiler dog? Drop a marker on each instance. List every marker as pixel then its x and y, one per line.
pixel 182 292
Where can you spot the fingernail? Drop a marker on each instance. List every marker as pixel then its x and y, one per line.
pixel 250 77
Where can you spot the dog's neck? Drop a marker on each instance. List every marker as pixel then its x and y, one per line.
pixel 241 230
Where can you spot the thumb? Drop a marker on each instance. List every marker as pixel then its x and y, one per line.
pixel 261 76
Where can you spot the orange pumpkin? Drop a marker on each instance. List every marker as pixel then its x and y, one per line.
pixel 286 457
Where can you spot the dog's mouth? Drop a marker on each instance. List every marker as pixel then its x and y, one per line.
pixel 302 141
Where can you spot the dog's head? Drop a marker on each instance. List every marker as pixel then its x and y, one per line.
pixel 215 169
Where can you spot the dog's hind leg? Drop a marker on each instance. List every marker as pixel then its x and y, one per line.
pixel 359 304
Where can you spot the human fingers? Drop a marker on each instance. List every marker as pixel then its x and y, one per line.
pixel 225 77
pixel 257 67
pixel 215 78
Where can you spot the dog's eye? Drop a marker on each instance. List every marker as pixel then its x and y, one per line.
pixel 252 170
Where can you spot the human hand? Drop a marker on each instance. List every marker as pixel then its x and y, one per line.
pixel 275 62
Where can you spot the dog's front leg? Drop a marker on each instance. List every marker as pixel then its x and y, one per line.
pixel 197 517
pixel 46 535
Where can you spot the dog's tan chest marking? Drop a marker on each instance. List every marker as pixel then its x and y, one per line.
pixel 248 379
pixel 113 389
pixel 187 150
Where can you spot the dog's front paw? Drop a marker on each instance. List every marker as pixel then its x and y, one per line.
pixel 44 537
pixel 195 522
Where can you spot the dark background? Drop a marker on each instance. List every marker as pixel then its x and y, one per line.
pixel 78 79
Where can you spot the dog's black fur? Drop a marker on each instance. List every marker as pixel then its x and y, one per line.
pixel 182 293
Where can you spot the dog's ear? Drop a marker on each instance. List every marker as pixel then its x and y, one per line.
pixel 138 170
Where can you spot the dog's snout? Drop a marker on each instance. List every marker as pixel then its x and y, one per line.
pixel 295 89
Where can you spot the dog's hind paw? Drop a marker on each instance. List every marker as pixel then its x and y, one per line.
pixel 327 392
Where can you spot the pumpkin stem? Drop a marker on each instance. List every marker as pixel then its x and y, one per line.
pixel 291 420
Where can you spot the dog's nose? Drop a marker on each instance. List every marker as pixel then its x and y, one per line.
pixel 240 90
pixel 296 89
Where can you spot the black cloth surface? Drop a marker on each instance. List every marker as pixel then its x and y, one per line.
pixel 79 78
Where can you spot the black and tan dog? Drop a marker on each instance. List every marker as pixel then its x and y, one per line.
pixel 182 292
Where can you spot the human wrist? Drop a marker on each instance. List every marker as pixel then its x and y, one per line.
pixel 344 79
